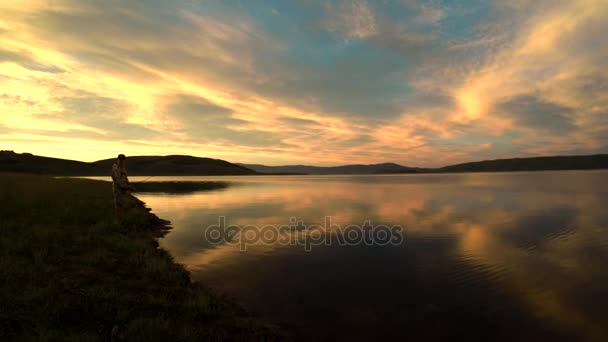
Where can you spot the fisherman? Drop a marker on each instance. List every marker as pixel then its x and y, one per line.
pixel 120 184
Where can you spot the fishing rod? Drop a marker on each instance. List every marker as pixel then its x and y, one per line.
pixel 144 179
pixel 138 183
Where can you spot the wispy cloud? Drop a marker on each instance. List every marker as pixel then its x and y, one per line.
pixel 351 19
pixel 416 82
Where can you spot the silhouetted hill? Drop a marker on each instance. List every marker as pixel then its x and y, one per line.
pixel 181 165
pixel 144 166
pixel 598 161
pixel 334 170
pixel 29 163
pixel 177 165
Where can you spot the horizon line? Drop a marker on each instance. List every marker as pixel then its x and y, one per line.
pixel 328 166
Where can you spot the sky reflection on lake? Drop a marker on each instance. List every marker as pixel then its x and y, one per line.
pixel 501 256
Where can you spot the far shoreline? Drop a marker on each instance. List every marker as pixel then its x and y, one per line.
pixel 339 174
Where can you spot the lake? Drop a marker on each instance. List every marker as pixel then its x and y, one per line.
pixel 501 256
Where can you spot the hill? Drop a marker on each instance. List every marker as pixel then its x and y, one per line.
pixel 183 165
pixel 598 161
pixel 29 163
pixel 334 170
pixel 175 165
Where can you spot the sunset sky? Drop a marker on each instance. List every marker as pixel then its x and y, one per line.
pixel 420 83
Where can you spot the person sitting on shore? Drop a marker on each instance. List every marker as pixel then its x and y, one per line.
pixel 120 185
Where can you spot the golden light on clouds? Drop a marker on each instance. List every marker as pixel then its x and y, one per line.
pixel 349 84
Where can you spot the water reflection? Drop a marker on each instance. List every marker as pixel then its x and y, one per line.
pixel 511 256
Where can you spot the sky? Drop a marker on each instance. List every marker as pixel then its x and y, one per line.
pixel 420 83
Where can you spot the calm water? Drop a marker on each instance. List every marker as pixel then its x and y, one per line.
pixel 511 256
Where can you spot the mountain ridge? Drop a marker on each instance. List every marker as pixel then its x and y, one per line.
pixel 186 165
pixel 340 169
pixel 171 165
pixel 176 164
pixel 543 163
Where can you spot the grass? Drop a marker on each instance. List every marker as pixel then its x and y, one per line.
pixel 69 273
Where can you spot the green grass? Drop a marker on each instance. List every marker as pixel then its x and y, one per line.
pixel 69 273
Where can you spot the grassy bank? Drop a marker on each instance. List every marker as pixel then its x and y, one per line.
pixel 69 273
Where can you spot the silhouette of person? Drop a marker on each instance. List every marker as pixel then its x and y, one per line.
pixel 120 185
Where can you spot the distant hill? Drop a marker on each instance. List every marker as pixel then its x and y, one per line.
pixel 29 163
pixel 181 165
pixel 177 165
pixel 174 165
pixel 598 161
pixel 334 170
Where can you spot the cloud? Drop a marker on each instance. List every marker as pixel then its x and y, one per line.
pixel 322 82
pixel 102 113
pixel 351 19
pixel 541 57
pixel 297 122
pixel 15 100
pixel 194 109
pixel 26 61
pixel 206 122
pixel 528 111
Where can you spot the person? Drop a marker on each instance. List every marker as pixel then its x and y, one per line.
pixel 120 185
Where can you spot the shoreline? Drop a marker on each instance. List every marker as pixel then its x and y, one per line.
pixel 160 227
pixel 71 273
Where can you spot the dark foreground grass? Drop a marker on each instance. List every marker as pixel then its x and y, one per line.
pixel 69 273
